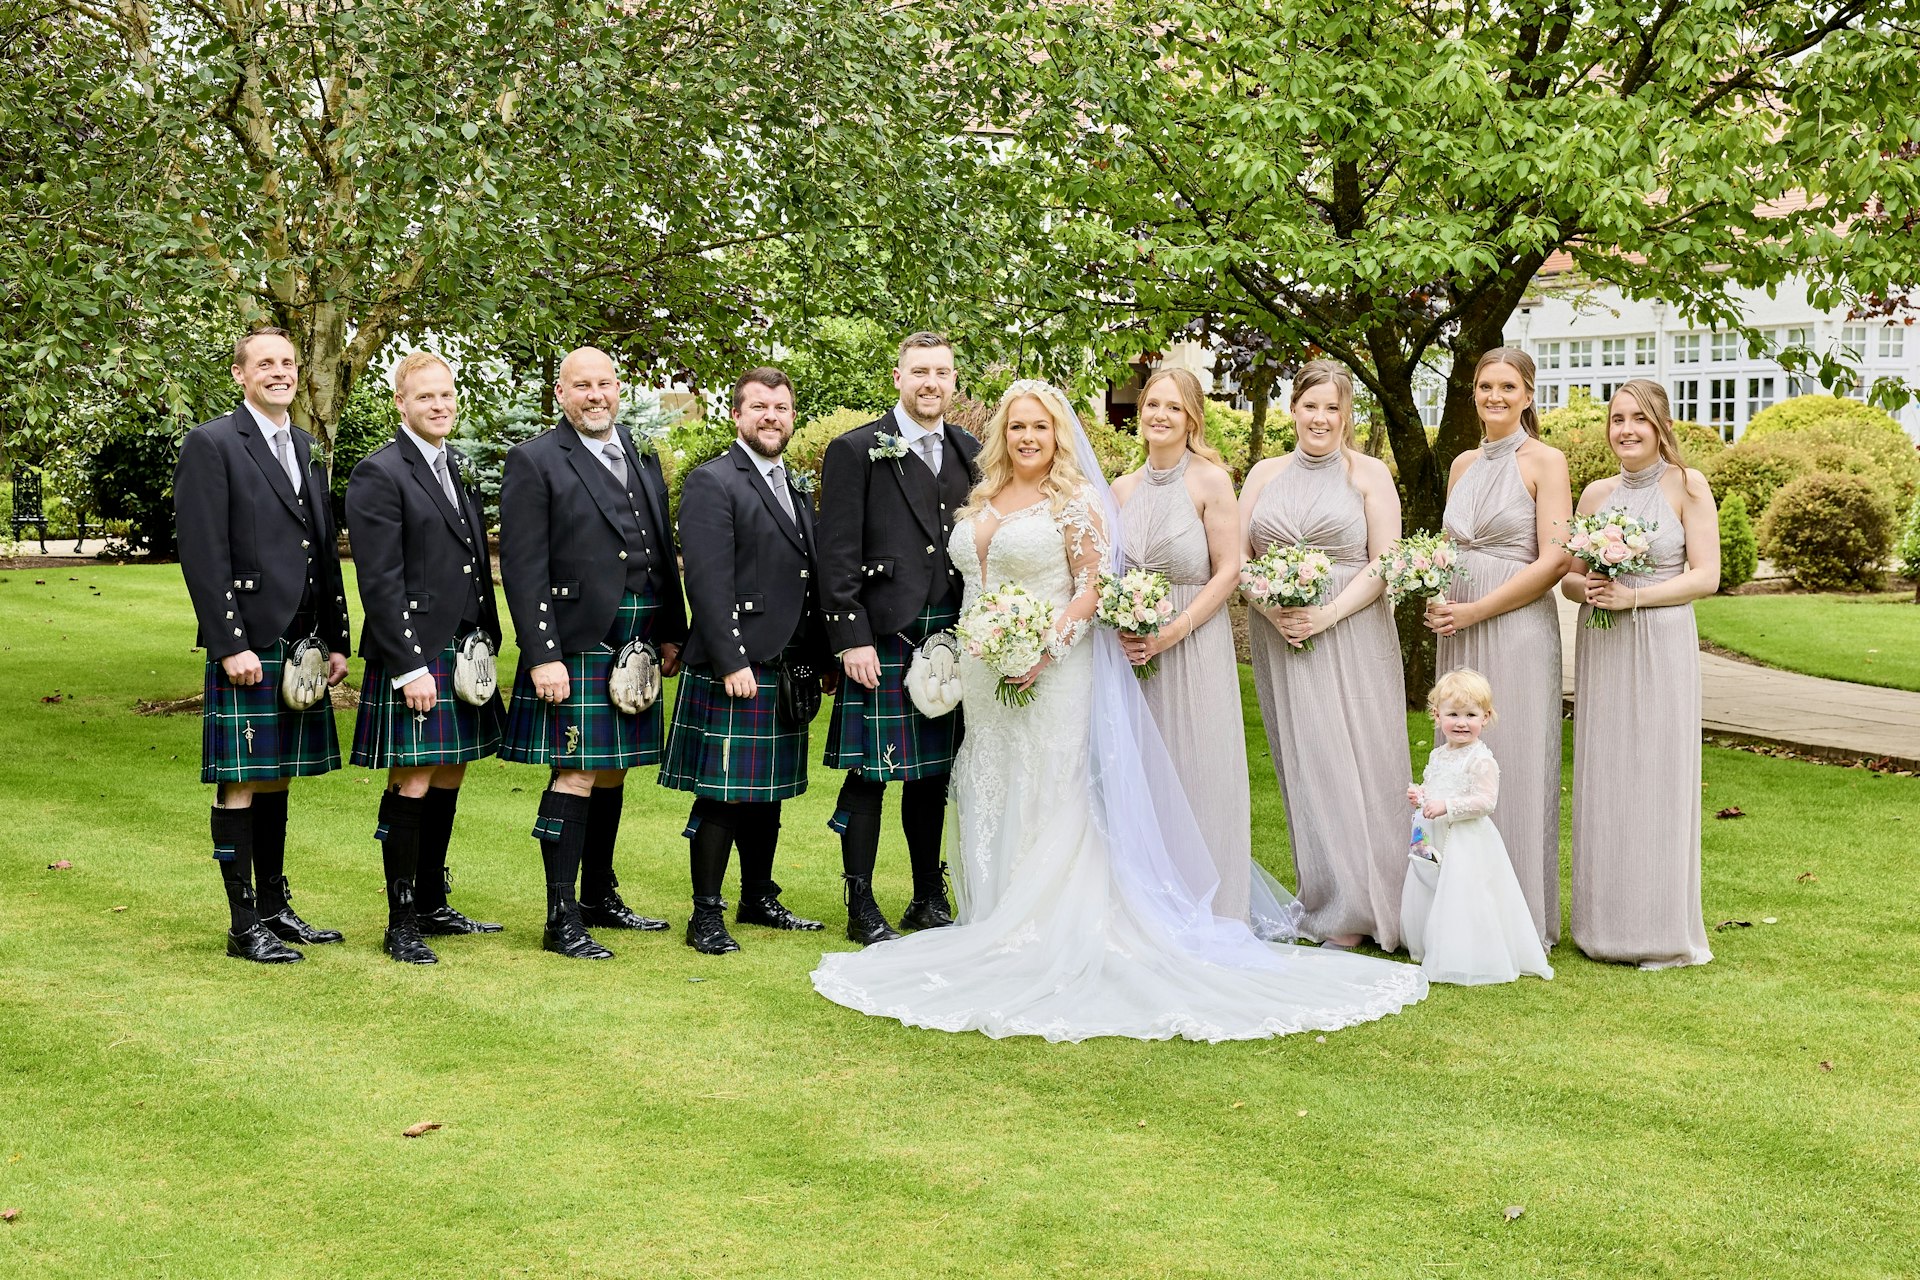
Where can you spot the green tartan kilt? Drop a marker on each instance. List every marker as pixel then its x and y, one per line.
pixel 728 748
pixel 389 735
pixel 879 733
pixel 587 731
pixel 248 735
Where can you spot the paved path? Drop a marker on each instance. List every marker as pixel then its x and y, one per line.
pixel 1807 712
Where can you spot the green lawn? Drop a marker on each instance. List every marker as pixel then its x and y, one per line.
pixel 169 1112
pixel 1869 639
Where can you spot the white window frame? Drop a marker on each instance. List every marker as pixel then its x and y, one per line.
pixel 1686 399
pixel 1723 403
pixel 1893 342
pixel 1759 394
pixel 1644 350
pixel 1580 354
pixel 1727 347
pixel 1686 348
pixel 1613 353
pixel 1549 354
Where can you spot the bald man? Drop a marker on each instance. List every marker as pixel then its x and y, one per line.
pixel 588 564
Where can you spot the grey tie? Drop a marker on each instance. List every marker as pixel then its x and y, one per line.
pixel 928 447
pixel 616 462
pixel 778 479
pixel 446 481
pixel 283 449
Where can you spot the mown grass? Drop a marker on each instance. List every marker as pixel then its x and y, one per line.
pixel 1869 639
pixel 169 1112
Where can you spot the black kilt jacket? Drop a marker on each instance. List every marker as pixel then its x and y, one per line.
pixel 250 548
pixel 422 562
pixel 884 524
pixel 751 572
pixel 568 551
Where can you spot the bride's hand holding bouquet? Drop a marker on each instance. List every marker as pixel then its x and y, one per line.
pixel 1009 630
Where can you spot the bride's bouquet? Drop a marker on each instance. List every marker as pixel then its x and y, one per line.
pixel 1420 564
pixel 1611 543
pixel 1137 601
pixel 1288 578
pixel 1007 629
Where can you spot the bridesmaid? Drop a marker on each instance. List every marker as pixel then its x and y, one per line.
pixel 1179 518
pixel 1335 715
pixel 1636 733
pixel 1507 508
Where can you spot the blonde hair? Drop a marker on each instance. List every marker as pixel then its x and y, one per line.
pixel 1523 365
pixel 1463 687
pixel 1063 478
pixel 1652 399
pixel 1317 373
pixel 411 363
pixel 1193 402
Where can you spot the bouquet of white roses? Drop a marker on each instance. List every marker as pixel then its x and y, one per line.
pixel 1137 601
pixel 1288 578
pixel 1420 564
pixel 1007 629
pixel 1611 543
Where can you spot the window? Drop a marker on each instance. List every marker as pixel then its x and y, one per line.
pixel 1759 395
pixel 1608 390
pixel 1550 396
pixel 1580 354
pixel 1727 346
pixel 1643 349
pixel 1799 338
pixel 1723 398
pixel 1686 400
pixel 1432 402
pixel 1853 341
pixel 1893 342
pixel 1800 384
pixel 1613 352
pixel 1686 348
pixel 1549 355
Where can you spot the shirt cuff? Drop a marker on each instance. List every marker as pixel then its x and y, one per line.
pixel 401 682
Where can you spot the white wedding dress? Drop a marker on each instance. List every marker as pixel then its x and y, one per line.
pixel 1056 938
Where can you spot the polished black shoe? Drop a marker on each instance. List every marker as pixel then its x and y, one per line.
pixel 443 922
pixel 288 927
pixel 256 944
pixel 769 912
pixel 565 936
pixel 611 913
pixel 707 928
pixel 927 913
pixel 402 942
pixel 866 924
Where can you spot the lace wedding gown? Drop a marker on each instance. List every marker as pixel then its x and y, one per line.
pixel 1054 940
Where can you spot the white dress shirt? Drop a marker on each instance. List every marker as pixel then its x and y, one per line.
pixel 274 430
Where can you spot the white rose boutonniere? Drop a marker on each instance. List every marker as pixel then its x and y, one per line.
pixel 888 446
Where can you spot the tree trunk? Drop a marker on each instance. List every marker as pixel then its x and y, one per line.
pixel 1257 433
pixel 1421 500
pixel 549 374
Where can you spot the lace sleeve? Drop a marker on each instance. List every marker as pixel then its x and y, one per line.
pixel 1085 536
pixel 1482 788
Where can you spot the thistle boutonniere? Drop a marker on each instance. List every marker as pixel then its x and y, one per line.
pixel 803 482
pixel 648 439
pixel 889 446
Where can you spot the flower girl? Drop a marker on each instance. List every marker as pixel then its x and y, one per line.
pixel 1462 912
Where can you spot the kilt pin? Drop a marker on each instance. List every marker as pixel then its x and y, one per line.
pixel 258 552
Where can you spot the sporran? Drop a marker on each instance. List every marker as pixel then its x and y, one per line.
pixel 633 682
pixel 303 674
pixel 475 676
pixel 933 677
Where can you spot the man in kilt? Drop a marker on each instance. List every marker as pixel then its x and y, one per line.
pixel 588 562
pixel 748 539
pixel 891 490
pixel 257 548
pixel 426 583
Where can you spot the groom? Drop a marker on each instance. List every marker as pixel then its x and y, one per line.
pixel 892 489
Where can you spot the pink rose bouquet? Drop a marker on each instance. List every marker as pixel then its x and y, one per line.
pixel 1420 564
pixel 1138 601
pixel 1294 577
pixel 1007 629
pixel 1611 543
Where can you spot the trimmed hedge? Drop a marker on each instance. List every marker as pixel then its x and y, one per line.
pixel 1579 430
pixel 1829 531
pixel 1907 554
pixel 1739 550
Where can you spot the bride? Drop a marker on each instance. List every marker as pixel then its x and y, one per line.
pixel 1085 893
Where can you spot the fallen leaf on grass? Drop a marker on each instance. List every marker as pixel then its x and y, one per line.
pixel 415 1130
pixel 119 908
pixel 1806 877
pixel 1769 919
pixel 1301 1113
pixel 54 697
pixel 8 1215
pixel 62 865
pixel 1725 925
pixel 1143 1124
pixel 1826 1066
pixel 1513 1211
pixel 1731 811
pixel 1236 1106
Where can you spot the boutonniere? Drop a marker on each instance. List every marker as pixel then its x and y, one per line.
pixel 803 482
pixel 890 446
pixel 648 439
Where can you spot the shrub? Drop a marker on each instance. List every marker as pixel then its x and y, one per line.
pixel 1802 412
pixel 1829 531
pixel 808 448
pixel 1907 554
pixel 1739 552
pixel 131 476
pixel 842 362
pixel 1759 469
pixel 366 424
pixel 1230 431
pixel 1579 430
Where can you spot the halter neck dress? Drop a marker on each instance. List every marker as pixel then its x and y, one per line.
pixel 1636 763
pixel 1493 519
pixel 1336 715
pixel 1195 696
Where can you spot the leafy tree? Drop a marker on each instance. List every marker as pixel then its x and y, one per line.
pixel 842 363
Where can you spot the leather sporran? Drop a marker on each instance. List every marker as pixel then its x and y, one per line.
pixel 797 692
pixel 475 675
pixel 303 674
pixel 933 677
pixel 633 682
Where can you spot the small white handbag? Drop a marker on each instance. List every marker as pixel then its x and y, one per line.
pixel 933 678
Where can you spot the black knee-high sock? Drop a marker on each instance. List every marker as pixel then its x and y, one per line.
pixel 710 833
pixel 923 817
pixel 757 830
pixel 436 833
pixel 233 851
pixel 563 824
pixel 857 818
pixel 603 829
pixel 269 810
pixel 400 851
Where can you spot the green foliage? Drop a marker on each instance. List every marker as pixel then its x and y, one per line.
pixel 1829 531
pixel 808 448
pixel 131 477
pixel 1907 553
pixel 842 363
pixel 1866 639
pixel 367 423
pixel 484 436
pixel 1739 552
pixel 1230 431
pixel 690 442
pixel 1118 451
pixel 1802 412
pixel 1579 430
pixel 1758 469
